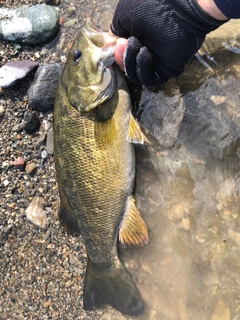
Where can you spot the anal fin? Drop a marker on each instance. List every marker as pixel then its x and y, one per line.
pixel 135 134
pixel 133 230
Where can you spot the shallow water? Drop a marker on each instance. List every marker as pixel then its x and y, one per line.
pixel 187 188
pixel 189 193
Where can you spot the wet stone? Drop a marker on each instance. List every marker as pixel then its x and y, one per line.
pixel 210 122
pixel 162 116
pixel 41 94
pixel 175 212
pixel 221 312
pixel 23 24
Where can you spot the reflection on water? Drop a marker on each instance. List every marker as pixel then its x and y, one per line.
pixel 188 192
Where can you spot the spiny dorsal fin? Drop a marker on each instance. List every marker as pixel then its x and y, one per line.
pixel 135 134
pixel 133 230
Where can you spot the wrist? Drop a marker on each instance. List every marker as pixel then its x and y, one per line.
pixel 211 9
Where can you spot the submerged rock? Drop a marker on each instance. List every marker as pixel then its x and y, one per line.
pixel 12 72
pixel 29 24
pixel 162 116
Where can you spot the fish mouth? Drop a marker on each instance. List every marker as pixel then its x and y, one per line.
pixel 104 58
pixel 102 40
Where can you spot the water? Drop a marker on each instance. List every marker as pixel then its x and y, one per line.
pixel 189 193
pixel 187 186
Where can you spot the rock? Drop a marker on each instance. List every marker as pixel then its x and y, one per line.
pixel 2 110
pixel 12 72
pixel 36 214
pixel 50 145
pixel 18 127
pixel 175 212
pixel 162 116
pixel 56 2
pixel 31 168
pixel 41 94
pixel 46 125
pixel 221 312
pixel 19 163
pixel 211 120
pixel 41 141
pixel 29 24
pixel 44 155
pixel 31 121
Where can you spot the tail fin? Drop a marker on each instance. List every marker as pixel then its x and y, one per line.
pixel 111 286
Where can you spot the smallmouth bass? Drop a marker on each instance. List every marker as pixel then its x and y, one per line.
pixel 95 167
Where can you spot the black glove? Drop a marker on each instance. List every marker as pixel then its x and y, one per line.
pixel 163 36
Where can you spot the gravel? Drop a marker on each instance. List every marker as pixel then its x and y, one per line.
pixel 41 271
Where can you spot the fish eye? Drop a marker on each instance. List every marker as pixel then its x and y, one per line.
pixel 77 55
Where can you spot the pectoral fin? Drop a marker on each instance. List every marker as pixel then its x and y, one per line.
pixel 133 231
pixel 135 134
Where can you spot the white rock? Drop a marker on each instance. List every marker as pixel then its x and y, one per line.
pixel 36 214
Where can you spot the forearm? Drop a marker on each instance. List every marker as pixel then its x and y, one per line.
pixel 221 9
pixel 211 9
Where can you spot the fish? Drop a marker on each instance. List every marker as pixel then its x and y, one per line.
pixel 94 137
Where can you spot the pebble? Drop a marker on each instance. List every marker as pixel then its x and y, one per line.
pixel 29 24
pixel 31 168
pixel 41 141
pixel 46 125
pixel 2 110
pixel 36 214
pixel 12 72
pixel 221 312
pixel 44 154
pixel 31 121
pixel 47 234
pixel 50 145
pixel 175 212
pixel 5 183
pixel 18 127
pixel 41 94
pixel 19 163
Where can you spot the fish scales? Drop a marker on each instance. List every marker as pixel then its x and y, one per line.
pixel 95 167
pixel 97 173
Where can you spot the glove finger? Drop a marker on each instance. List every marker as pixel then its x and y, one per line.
pixel 130 57
pixel 138 63
pixel 145 69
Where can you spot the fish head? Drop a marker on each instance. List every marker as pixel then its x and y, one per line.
pixel 86 76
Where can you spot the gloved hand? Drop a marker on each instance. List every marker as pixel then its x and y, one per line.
pixel 163 36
